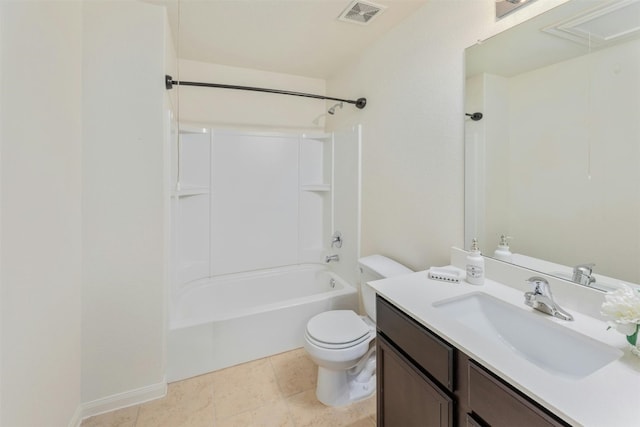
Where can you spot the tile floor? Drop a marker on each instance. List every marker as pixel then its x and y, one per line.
pixel 277 391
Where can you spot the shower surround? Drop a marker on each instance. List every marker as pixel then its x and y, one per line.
pixel 252 219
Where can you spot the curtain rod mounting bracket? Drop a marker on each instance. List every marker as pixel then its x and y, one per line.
pixel 361 103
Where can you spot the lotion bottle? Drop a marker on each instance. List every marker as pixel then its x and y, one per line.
pixel 503 253
pixel 475 265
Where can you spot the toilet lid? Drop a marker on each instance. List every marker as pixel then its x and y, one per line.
pixel 337 327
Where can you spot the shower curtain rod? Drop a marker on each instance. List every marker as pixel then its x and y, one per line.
pixel 169 82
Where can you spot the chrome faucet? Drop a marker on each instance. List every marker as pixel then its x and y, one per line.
pixel 542 300
pixel 334 257
pixel 582 274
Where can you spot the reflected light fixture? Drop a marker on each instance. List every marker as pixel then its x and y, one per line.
pixel 504 7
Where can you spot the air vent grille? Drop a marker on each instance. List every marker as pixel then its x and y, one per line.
pixel 361 12
pixel 615 21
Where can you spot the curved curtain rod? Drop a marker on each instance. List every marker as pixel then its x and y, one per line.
pixel 169 82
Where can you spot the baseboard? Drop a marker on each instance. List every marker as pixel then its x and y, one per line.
pixel 123 400
pixel 76 419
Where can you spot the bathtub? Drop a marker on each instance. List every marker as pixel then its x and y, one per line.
pixel 231 319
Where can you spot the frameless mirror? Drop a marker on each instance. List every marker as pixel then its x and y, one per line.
pixel 554 162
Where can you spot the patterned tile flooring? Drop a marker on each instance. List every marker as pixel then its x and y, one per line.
pixel 277 391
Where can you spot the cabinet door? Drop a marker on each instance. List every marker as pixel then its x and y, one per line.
pixel 426 349
pixel 406 397
pixel 500 406
pixel 472 421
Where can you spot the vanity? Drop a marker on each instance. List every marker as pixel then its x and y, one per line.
pixel 439 364
pixel 421 376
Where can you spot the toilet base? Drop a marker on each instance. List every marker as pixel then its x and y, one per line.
pixel 340 388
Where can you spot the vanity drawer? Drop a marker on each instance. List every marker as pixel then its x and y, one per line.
pixel 498 405
pixel 426 349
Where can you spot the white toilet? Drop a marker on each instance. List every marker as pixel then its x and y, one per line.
pixel 341 341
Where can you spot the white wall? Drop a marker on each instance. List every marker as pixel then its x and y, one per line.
pixel 243 109
pixel 124 202
pixel 413 78
pixel 40 212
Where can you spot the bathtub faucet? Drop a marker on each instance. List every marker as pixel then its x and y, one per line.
pixel 329 258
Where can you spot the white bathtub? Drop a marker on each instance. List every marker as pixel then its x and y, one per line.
pixel 236 318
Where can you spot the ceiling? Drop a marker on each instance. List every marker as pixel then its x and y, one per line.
pixel 300 37
pixel 552 37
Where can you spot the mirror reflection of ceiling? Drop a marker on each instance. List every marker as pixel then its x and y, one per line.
pixel 515 51
pixel 299 37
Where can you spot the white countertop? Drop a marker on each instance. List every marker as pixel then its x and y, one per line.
pixel 609 397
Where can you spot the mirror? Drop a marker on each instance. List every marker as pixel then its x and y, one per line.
pixel 555 161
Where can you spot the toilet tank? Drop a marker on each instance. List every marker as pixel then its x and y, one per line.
pixel 376 267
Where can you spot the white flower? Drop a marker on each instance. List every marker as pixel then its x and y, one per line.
pixel 622 305
pixel 624 328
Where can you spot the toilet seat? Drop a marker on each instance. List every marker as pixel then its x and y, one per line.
pixel 337 329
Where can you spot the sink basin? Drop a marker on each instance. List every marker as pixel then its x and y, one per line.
pixel 539 340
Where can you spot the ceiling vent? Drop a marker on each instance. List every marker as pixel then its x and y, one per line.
pixel 361 12
pixel 616 21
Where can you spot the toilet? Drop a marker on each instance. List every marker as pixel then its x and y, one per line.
pixel 341 343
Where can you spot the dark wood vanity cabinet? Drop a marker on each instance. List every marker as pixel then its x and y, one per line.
pixel 424 381
pixel 497 404
pixel 416 373
pixel 407 396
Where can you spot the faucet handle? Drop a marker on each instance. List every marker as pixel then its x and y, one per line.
pixel 582 273
pixel 336 240
pixel 541 285
pixel 585 268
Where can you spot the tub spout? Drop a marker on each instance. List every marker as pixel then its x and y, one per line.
pixel 329 258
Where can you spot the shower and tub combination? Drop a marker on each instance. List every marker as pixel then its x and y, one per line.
pixel 255 217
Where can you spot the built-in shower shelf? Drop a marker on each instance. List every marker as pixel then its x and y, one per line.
pixel 316 187
pixel 191 191
pixel 318 136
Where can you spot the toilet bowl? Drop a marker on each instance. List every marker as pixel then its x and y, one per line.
pixel 341 342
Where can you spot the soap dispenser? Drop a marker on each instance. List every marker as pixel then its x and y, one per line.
pixel 475 265
pixel 503 253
